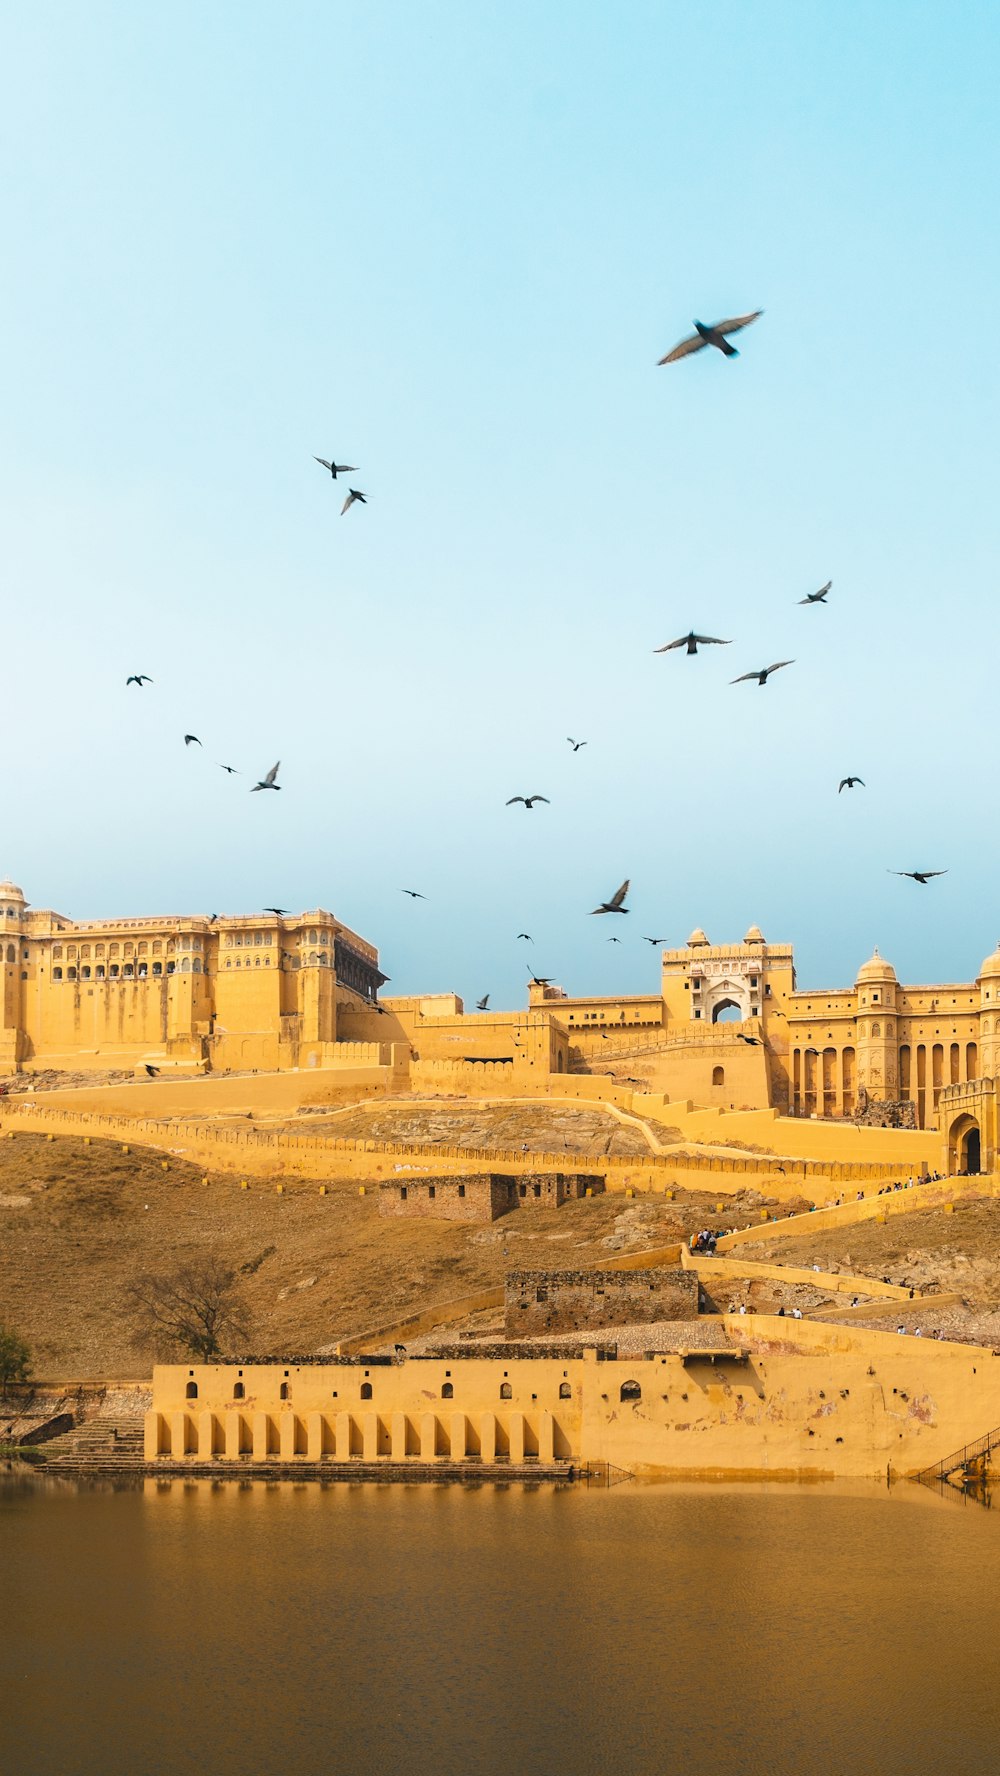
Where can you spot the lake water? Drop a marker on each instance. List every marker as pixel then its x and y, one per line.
pixel 496 1631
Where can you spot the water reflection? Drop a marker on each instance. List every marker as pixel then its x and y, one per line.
pixel 258 1627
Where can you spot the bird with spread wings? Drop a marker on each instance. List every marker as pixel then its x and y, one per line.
pixel 693 642
pixel 717 335
pixel 614 905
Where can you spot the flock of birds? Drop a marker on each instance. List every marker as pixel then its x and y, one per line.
pixel 717 335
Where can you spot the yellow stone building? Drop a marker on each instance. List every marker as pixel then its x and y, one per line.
pixel 729 1027
pixel 204 993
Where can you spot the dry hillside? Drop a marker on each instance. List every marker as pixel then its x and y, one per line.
pixel 543 1128
pixel 77 1223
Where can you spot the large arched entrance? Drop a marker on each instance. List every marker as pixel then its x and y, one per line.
pixel 964 1146
pixel 727 1012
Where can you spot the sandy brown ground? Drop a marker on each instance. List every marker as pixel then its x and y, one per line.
pixel 544 1128
pixel 78 1223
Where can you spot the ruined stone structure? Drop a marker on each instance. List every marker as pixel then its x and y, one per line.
pixel 552 1301
pixel 483 1196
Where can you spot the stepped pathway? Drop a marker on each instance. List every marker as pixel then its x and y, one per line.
pixel 109 1444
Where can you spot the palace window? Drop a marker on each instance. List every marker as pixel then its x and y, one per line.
pixel 565 1391
pixel 630 1390
pixel 366 1390
pixel 448 1391
pixel 157 967
pixel 506 1391
pixel 191 1391
pixel 239 1392
pixel 57 974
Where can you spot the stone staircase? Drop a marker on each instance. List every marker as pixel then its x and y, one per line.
pixel 102 1444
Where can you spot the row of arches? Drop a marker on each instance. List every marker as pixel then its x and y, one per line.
pixel 824 1081
pixel 630 1390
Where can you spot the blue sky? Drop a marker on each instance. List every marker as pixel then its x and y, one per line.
pixel 449 244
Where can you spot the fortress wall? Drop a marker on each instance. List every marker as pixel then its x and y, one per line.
pixel 801 1137
pixel 267 1154
pixel 794 1398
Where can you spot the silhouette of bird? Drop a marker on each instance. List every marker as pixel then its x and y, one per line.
pixel 413 894
pixel 233 772
pixel 614 940
pixel 138 678
pixel 189 738
pixel 693 642
pixel 353 495
pixel 576 744
pixel 268 781
pixel 541 980
pixel 526 936
pixel 921 876
pixel 279 912
pixel 654 940
pixel 762 676
pixel 817 597
pixel 754 1041
pixel 152 1071
pixel 714 335
pixel 482 1003
pixel 336 468
pixel 212 918
pixel 849 782
pixel 614 905
pixel 529 801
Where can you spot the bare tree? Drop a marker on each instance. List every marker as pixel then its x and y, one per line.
pixel 196 1305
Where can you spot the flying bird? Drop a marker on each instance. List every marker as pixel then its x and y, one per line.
pixel 233 772
pixel 849 782
pixel 482 1003
pixel 693 642
pixel 413 894
pixel 351 497
pixel 763 676
pixel 817 597
pixel 212 918
pixel 526 935
pixel 268 781
pixel 576 744
pixel 654 940
pixel 754 1041
pixel 152 1071
pixel 336 468
pixel 138 678
pixel 529 801
pixel 921 876
pixel 714 335
pixel 279 912
pixel 541 980
pixel 188 738
pixel 614 905
pixel 614 940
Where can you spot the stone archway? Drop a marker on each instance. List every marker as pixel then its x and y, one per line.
pixel 723 997
pixel 964 1145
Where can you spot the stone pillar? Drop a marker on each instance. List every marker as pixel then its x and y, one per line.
pixel 399 1436
pixel 487 1436
pixel 152 1436
pixel 457 1432
pixel 314 1436
pixel 178 1433
pixel 369 1436
pixel 286 1433
pixel 233 1422
pixel 206 1436
pixel 260 1436
pixel 517 1436
pixel 428 1437
pixel 546 1438
pixel 343 1436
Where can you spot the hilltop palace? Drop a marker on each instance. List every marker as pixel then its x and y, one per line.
pixel 728 1027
